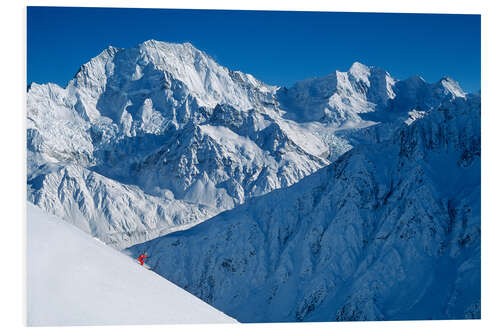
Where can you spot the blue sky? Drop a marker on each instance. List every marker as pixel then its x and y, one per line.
pixel 278 48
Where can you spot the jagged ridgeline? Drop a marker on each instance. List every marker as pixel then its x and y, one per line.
pixel 346 197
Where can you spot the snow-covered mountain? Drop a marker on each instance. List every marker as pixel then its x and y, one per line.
pixel 389 231
pixel 353 196
pixel 74 279
pixel 167 127
pixel 155 138
pixel 340 96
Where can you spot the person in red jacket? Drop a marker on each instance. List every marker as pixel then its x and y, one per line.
pixel 141 258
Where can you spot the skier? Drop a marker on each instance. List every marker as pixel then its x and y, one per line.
pixel 141 258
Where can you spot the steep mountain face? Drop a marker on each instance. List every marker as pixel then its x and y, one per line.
pixel 223 161
pixel 390 230
pixel 118 214
pixel 166 132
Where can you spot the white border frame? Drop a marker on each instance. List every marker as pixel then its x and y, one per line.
pixel 13 163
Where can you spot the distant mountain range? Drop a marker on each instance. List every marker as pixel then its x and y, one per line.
pixel 354 196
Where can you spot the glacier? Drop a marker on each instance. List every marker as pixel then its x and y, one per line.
pixel 352 196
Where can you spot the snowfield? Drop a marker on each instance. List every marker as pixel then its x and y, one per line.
pixel 74 279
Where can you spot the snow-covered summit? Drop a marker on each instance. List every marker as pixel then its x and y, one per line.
pixel 416 93
pixel 452 86
pixel 363 93
pixel 170 64
pixel 360 72
pixel 339 97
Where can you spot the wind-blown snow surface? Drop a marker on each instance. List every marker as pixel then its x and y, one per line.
pixel 389 231
pixel 76 280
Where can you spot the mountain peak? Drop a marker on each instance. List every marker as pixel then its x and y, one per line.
pixel 357 67
pixel 111 49
pixel 153 43
pixel 452 86
pixel 108 52
pixel 149 42
pixel 359 71
pixel 414 81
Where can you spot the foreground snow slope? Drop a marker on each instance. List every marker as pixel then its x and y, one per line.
pixel 76 280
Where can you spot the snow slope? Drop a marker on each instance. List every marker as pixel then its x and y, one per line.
pixel 389 231
pixel 76 280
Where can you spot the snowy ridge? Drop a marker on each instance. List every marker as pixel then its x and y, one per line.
pixel 390 231
pixel 340 96
pixel 120 215
pixel 76 280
